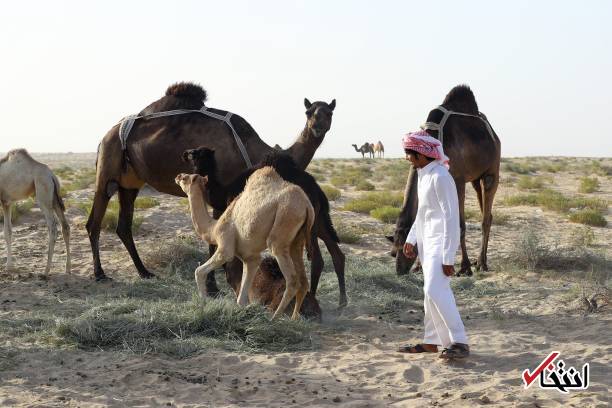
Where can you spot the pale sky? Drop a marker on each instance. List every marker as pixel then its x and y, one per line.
pixel 541 70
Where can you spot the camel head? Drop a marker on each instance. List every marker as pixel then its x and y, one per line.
pixel 202 159
pixel 319 116
pixel 189 182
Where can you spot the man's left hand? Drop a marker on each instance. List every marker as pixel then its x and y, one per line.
pixel 449 270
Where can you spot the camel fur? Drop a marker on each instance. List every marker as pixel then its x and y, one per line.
pixel 270 213
pixel 21 177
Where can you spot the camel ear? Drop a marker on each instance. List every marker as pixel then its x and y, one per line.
pixel 307 103
pixel 332 105
pixel 389 238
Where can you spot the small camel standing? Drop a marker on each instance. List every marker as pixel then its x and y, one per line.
pixel 20 177
pixel 270 213
pixel 365 148
pixel 380 149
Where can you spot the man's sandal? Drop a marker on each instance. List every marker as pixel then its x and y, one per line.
pixel 418 348
pixel 455 352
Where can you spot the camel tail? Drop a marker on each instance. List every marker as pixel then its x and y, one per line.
pixel 56 193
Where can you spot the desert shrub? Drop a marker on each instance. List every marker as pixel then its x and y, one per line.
pixel 331 192
pixel 369 201
pixel 588 216
pixel 111 217
pixel 19 209
pixel 582 236
pixel 364 185
pixel 145 202
pixel 518 167
pixel 598 168
pixel 552 167
pixel 350 176
pixel 588 185
pixel 500 218
pixel 348 234
pixel 471 214
pixel 396 183
pixel 556 201
pixel 64 172
pixel 530 183
pixel 386 214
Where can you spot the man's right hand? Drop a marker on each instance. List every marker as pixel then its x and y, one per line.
pixel 409 251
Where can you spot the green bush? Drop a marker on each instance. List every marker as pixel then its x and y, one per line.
pixel 588 216
pixel 145 202
pixel 369 201
pixel 364 185
pixel 530 183
pixel 555 201
pixel 331 192
pixel 386 214
pixel 347 233
pixel 111 217
pixel 588 185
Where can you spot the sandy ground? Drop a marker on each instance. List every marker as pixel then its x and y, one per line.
pixel 510 330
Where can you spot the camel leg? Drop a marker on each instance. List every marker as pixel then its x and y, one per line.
pixel 338 259
pixel 489 185
pixel 211 282
pixel 285 263
pixel 297 251
pixel 202 271
pixel 8 233
pixel 52 227
pixel 233 274
pixel 124 228
pixel 94 224
pixel 65 233
pixel 248 274
pixel 316 263
pixel 465 261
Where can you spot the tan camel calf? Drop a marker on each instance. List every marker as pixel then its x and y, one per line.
pixel 20 177
pixel 270 213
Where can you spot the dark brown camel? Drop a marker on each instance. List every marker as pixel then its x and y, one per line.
pixel 154 156
pixel 268 287
pixel 365 148
pixel 474 157
pixel 219 196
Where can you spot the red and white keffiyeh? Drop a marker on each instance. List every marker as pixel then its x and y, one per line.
pixel 421 142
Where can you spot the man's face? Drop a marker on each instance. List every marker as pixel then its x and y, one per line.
pixel 415 159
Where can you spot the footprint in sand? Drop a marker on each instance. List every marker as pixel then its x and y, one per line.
pixel 414 374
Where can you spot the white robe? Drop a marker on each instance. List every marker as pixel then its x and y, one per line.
pixel 436 234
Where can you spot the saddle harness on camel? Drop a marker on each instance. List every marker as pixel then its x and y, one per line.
pixel 128 122
pixel 446 114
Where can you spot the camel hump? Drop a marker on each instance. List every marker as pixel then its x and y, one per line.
pixel 283 164
pixel 461 98
pixel 187 90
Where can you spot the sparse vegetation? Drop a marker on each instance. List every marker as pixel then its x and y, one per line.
pixel 530 183
pixel 386 214
pixel 556 201
pixel 369 201
pixel 111 217
pixel 348 234
pixel 588 216
pixel 331 192
pixel 145 202
pixel 364 185
pixel 588 185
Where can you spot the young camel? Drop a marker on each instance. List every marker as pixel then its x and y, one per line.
pixel 270 213
pixel 379 149
pixel 20 177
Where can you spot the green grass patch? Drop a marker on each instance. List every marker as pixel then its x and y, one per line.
pixel 369 201
pixel 364 185
pixel 331 192
pixel 530 183
pixel 386 214
pixel 588 185
pixel 350 175
pixel 555 201
pixel 588 216
pixel 145 202
pixel 111 217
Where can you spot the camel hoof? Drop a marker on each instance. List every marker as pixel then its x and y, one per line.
pixel 465 272
pixel 103 278
pixel 147 275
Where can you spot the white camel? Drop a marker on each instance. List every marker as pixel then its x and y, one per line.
pixel 20 177
pixel 270 213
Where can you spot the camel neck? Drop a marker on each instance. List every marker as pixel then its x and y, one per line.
pixel 304 148
pixel 202 221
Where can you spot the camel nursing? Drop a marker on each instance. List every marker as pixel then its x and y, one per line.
pixel 270 213
pixel 219 196
pixel 21 177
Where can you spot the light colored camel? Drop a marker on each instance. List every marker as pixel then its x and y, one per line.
pixel 380 149
pixel 270 213
pixel 20 177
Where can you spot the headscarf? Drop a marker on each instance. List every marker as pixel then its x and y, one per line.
pixel 421 142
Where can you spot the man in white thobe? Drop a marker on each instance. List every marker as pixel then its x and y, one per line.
pixel 436 234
